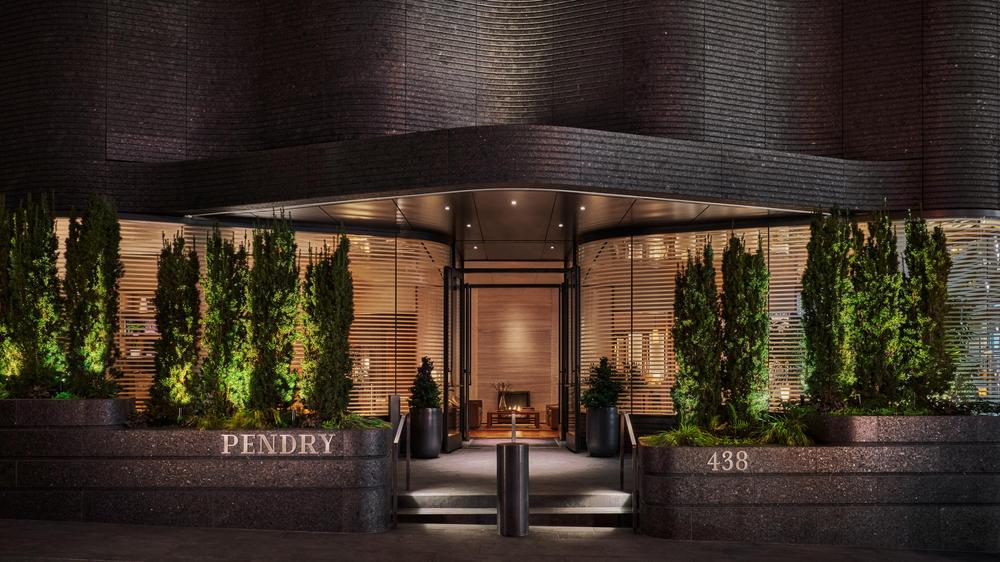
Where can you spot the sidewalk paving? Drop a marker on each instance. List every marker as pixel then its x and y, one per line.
pixel 63 541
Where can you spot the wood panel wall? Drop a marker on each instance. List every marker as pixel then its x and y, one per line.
pixel 516 340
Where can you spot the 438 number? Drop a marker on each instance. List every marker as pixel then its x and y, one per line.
pixel 727 461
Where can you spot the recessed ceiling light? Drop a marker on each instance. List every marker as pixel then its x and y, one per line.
pixel 582 208
pixel 475 247
pixel 447 208
pixel 560 225
pixel 468 226
pixel 552 247
pixel 513 202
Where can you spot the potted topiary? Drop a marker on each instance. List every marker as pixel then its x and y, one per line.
pixel 601 399
pixel 425 413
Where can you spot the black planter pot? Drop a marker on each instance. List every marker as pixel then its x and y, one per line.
pixel 602 431
pixel 425 432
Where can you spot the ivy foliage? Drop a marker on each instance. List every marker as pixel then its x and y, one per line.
pixel 745 329
pixel 93 272
pixel 424 392
pixel 603 388
pixel 879 308
pixel 34 316
pixel 696 332
pixel 224 380
pixel 273 290
pixel 328 304
pixel 177 319
pixel 929 357
pixel 828 309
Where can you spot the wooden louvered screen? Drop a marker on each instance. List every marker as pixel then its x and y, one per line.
pixel 974 319
pixel 398 288
pixel 627 306
pixel 628 299
pixel 628 293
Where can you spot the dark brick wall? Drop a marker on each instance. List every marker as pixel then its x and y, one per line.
pixel 92 87
pixel 961 103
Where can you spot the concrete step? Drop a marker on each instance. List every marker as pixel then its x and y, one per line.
pixel 471 501
pixel 548 516
pixel 612 509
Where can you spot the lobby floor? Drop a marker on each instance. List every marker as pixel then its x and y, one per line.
pixel 50 541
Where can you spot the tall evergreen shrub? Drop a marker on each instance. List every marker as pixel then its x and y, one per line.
pixel 93 272
pixel 828 309
pixel 328 304
pixel 878 317
pixel 273 290
pixel 745 329
pixel 177 317
pixel 9 359
pixel 35 313
pixel 930 359
pixel 696 332
pixel 224 380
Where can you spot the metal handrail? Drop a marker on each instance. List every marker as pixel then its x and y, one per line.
pixel 627 427
pixel 403 421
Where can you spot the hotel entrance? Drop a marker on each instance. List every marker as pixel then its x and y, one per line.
pixel 511 342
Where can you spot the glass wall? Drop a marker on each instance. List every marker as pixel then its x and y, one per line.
pixel 628 296
pixel 398 315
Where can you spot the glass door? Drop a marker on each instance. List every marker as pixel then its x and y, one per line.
pixel 569 364
pixel 454 391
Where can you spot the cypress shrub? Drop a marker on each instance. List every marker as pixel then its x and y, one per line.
pixel 35 313
pixel 828 310
pixel 424 392
pixel 273 299
pixel 696 332
pixel 9 361
pixel 878 317
pixel 328 304
pixel 930 359
pixel 745 327
pixel 224 380
pixel 177 318
pixel 93 272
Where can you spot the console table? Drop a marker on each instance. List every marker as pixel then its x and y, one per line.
pixel 503 417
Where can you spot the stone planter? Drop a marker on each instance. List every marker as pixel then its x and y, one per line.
pixel 296 479
pixel 602 432
pixel 426 432
pixel 903 482
pixel 95 413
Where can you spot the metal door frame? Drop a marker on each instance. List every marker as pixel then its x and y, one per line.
pixel 568 333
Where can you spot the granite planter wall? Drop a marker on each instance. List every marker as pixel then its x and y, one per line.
pixel 925 483
pixel 96 412
pixel 281 479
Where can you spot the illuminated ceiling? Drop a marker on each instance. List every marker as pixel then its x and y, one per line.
pixel 499 225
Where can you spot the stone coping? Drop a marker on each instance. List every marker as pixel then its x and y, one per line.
pixel 830 429
pixel 864 458
pixel 188 443
pixel 91 412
